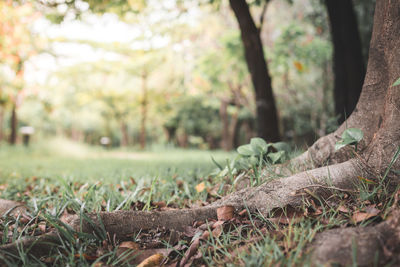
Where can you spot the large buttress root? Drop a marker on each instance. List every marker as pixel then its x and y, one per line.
pixel 367 246
pixel 368 115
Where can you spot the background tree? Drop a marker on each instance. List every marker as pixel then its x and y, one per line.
pixel 348 60
pixel 15 49
pixel 267 119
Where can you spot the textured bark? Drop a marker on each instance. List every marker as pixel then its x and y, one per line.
pixel 373 245
pixel 382 71
pixel 13 126
pixel 348 67
pixel 267 119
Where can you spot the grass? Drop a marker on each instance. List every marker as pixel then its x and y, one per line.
pixel 63 159
pixel 59 178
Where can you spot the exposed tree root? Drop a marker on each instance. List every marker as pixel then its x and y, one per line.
pixel 124 224
pixel 288 191
pixel 40 246
pixel 367 246
pixel 274 194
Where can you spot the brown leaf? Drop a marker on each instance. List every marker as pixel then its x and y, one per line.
pixel 160 204
pixel 129 245
pixel 343 209
pixel 190 252
pixel 217 231
pixel 205 235
pixel 217 224
pixel 152 261
pixel 136 257
pixel 42 227
pixel 370 212
pixel 12 208
pixel 189 231
pixel 225 213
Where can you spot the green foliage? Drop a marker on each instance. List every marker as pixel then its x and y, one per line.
pixel 396 83
pixel 350 136
pixel 259 149
pixel 195 116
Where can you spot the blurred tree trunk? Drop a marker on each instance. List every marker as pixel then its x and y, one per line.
pixel 144 111
pixel 13 125
pixel 1 123
pixel 267 119
pixel 223 114
pixel 228 125
pixel 124 134
pixel 349 69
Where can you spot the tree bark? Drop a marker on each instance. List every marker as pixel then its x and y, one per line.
pixel 13 125
pixel 368 114
pixel 348 67
pixel 144 111
pixel 267 119
pixel 1 123
pixel 124 134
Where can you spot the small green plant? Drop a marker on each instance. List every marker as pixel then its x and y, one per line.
pixel 260 150
pixel 351 136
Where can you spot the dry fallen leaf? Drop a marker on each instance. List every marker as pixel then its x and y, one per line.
pixel 200 187
pixel 343 209
pixel 129 245
pixel 217 224
pixel 370 212
pixel 135 257
pixel 190 252
pixel 225 213
pixel 152 261
pixel 217 231
pixel 10 207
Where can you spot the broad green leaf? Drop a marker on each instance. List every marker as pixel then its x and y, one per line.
pixel 352 135
pixel 339 145
pixel 245 150
pixel 281 146
pixel 253 160
pixel 259 146
pixel 277 157
pixel 396 82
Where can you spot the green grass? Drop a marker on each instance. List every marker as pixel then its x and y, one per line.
pixel 62 159
pixel 60 176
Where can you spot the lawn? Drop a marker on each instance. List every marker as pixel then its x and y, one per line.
pixel 58 179
pixel 60 158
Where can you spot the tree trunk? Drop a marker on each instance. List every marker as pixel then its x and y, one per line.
pixel 223 114
pixel 124 134
pixel 267 119
pixel 348 67
pixel 13 125
pixel 144 111
pixel 1 123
